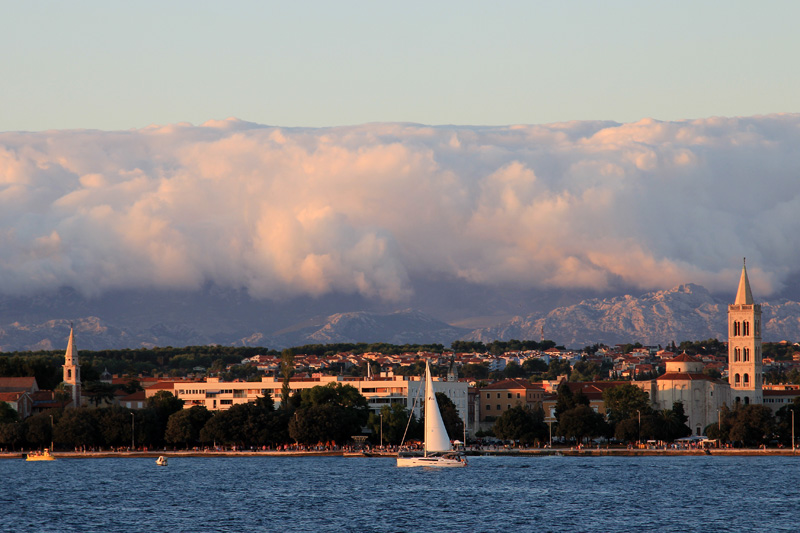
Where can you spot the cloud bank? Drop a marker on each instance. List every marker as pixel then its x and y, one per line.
pixel 363 210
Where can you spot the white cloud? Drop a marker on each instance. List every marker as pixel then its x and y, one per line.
pixel 364 209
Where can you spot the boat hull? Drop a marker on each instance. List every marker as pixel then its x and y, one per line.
pixel 457 461
pixel 40 458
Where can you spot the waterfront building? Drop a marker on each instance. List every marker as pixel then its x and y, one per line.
pixel 782 395
pixel 497 398
pixel 702 396
pixel 386 389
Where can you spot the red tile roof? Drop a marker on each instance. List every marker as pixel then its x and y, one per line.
pixel 513 383
pixel 686 376
pixel 789 393
pixel 684 358
pixel 17 384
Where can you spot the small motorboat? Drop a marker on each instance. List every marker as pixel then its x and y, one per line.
pixel 161 461
pixel 44 455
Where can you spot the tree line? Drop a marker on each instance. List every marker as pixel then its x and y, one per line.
pixel 629 418
pixel 328 414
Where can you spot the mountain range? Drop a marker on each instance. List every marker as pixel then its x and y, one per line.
pixel 686 312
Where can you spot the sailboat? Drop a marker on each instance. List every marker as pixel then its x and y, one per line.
pixel 437 449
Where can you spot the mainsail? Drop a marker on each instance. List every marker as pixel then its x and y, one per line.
pixel 436 439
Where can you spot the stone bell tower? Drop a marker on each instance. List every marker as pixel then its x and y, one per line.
pixel 72 370
pixel 744 345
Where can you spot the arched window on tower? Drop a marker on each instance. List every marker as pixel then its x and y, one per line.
pixel 69 373
pixel 736 380
pixel 737 355
pixel 746 328
pixel 746 380
pixel 736 328
pixel 746 357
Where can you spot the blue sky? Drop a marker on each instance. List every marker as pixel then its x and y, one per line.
pixel 122 65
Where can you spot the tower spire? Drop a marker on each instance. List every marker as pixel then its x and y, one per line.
pixel 744 295
pixel 72 370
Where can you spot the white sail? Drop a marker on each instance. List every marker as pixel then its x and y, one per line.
pixel 436 439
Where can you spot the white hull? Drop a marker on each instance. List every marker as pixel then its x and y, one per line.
pixel 433 461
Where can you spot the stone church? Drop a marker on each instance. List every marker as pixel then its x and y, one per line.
pixel 703 396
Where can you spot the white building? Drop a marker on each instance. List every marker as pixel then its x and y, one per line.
pixel 217 395
pixel 684 381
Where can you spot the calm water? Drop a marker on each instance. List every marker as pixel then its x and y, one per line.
pixel 360 494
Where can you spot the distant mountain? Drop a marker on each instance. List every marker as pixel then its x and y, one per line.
pixel 686 312
pixel 92 333
pixel 402 327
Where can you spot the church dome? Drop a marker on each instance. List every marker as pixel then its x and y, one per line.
pixel 684 363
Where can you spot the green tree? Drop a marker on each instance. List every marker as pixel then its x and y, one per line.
pixel 39 428
pixel 468 346
pixel 558 367
pixel 248 424
pixel 753 425
pixel 472 370
pixel 393 419
pixel 513 370
pixel 581 422
pixel 623 401
pixel 77 427
pixel 783 421
pixel 8 414
pixel 99 392
pixel 12 434
pixel 287 369
pixel 534 365
pixel 162 405
pixel 566 400
pixel 521 424
pixel 585 371
pixel 627 430
pixel 185 425
pixel 452 420
pixel 333 412
pixel 115 425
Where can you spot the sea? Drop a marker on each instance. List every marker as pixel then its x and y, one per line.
pixel 518 494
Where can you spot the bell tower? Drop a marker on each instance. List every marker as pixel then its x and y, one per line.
pixel 744 345
pixel 72 370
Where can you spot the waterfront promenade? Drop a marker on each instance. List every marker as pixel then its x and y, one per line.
pixel 488 451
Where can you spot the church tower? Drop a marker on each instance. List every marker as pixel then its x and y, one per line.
pixel 72 370
pixel 744 345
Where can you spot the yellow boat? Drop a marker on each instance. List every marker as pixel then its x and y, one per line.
pixel 40 456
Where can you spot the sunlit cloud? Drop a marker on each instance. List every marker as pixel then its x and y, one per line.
pixel 363 210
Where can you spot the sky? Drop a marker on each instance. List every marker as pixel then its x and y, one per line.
pixel 122 65
pixel 352 147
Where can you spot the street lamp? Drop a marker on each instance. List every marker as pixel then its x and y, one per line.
pixel 640 426
pixel 793 447
pixel 133 432
pixel 381 415
pixel 51 432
